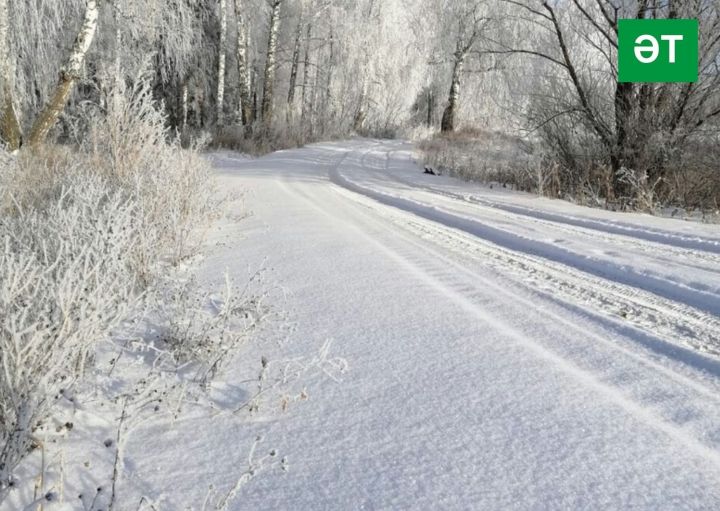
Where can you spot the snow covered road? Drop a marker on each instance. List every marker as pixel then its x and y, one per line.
pixel 506 352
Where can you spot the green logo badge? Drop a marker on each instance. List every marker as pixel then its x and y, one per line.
pixel 655 51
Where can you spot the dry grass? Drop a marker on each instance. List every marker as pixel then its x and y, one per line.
pixel 480 156
pixel 83 232
pixel 692 183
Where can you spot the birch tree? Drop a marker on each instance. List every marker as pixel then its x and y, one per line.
pixel 244 86
pixel 361 112
pixel 295 64
pixel 638 126
pixel 9 126
pixel 269 76
pixel 222 50
pixel 69 74
pixel 470 21
pixel 305 88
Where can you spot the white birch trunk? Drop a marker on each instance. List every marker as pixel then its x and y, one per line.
pixel 331 67
pixel 4 46
pixel 83 41
pixel 269 79
pixel 117 78
pixel 243 68
pixel 430 107
pixel 185 94
pixel 450 113
pixel 360 114
pixel 69 74
pixel 306 76
pixel 221 64
pixel 118 43
pixel 10 132
pixel 294 69
pixel 316 99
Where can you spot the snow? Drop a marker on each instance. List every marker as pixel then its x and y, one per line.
pixel 505 351
pixel 492 365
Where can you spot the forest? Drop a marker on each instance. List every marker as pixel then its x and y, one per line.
pixel 111 110
pixel 260 75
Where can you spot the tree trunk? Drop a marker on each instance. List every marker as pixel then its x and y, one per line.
pixel 117 77
pixel 360 114
pixel 10 132
pixel 118 44
pixel 68 76
pixel 430 105
pixel 221 64
pixel 184 100
pixel 450 113
pixel 269 79
pixel 327 105
pixel 623 111
pixel 306 76
pixel 243 68
pixel 315 108
pixel 294 68
pixel 254 89
pixel 199 102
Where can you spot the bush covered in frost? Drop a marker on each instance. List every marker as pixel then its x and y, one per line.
pixel 83 233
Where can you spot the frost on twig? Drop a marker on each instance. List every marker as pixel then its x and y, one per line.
pixel 284 382
pixel 203 330
pixel 219 501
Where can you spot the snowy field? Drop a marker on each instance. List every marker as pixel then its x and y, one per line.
pixel 505 352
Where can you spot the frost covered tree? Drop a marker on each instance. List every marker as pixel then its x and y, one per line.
pixel 321 56
pixel 295 61
pixel 368 66
pixel 222 52
pixel 69 75
pixel 471 19
pixel 642 127
pixel 270 62
pixel 69 72
pixel 243 70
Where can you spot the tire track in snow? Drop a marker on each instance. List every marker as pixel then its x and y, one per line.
pixel 688 330
pixel 658 386
pixel 666 238
pixel 659 236
pixel 705 261
pixel 681 325
pixel 605 270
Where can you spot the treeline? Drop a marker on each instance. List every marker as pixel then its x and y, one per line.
pixel 259 74
pixel 553 69
pixel 234 68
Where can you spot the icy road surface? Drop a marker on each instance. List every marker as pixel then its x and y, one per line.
pixel 505 351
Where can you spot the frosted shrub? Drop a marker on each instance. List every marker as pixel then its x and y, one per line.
pixel 183 198
pixel 64 281
pixel 87 236
pixel 641 188
pixel 129 142
pixel 485 157
pixel 29 179
pixel 206 329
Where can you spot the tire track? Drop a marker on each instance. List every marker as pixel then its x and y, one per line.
pixel 674 321
pixel 654 248
pixel 669 240
pixel 678 406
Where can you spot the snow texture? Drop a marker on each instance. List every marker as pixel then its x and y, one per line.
pixel 505 351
